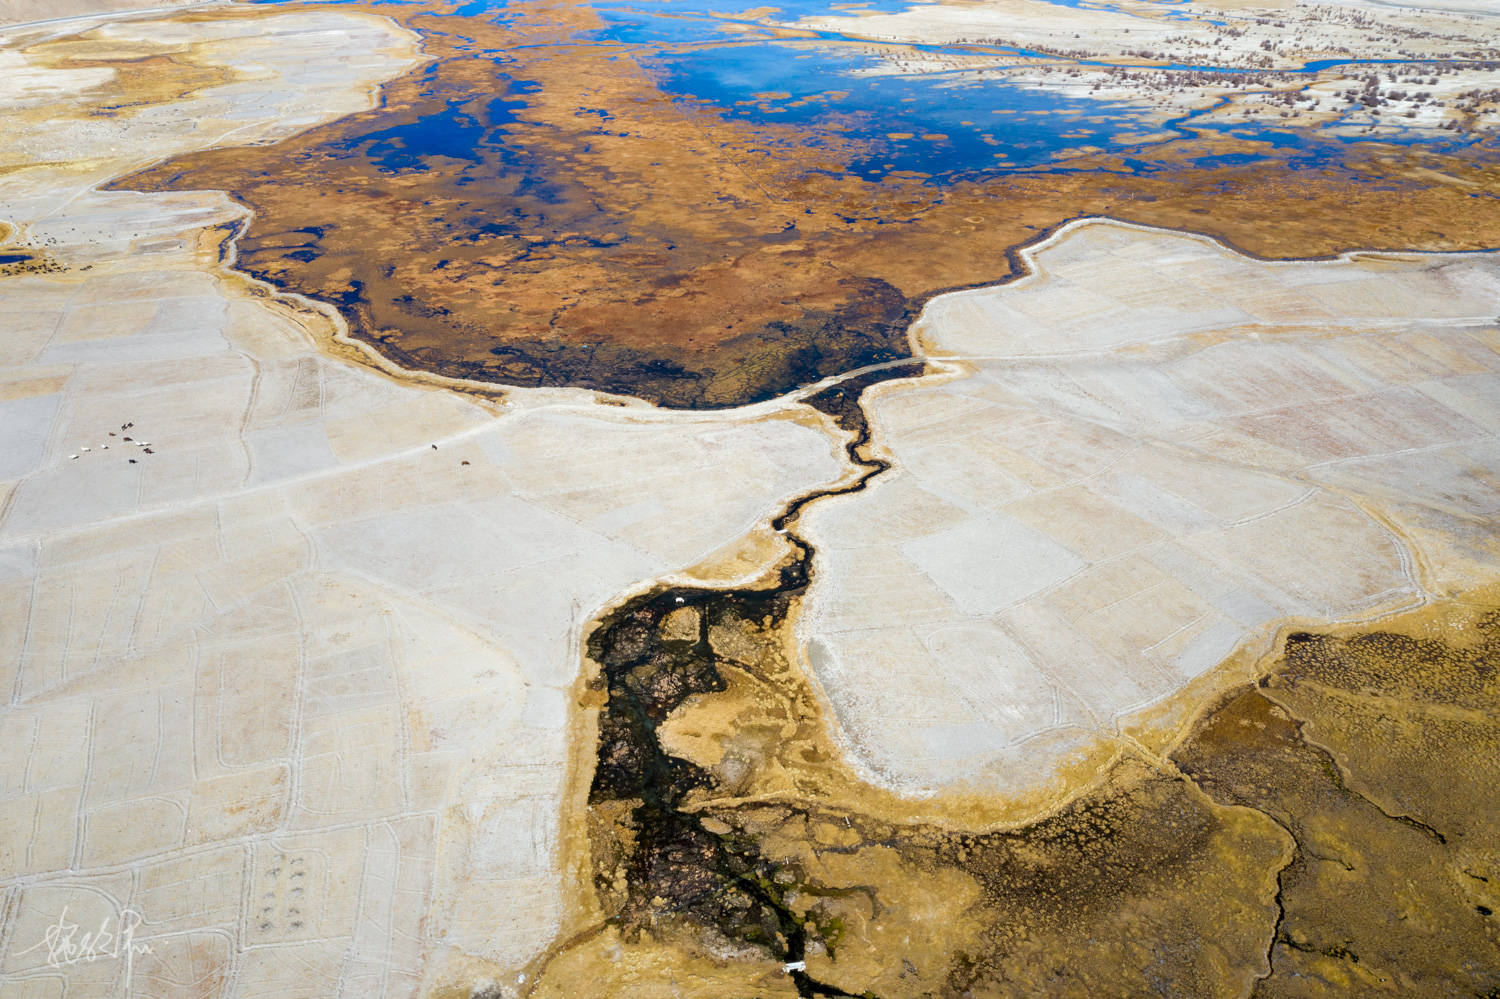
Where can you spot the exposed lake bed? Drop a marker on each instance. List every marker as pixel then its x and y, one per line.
pixel 639 499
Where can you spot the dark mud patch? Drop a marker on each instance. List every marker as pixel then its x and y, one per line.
pixel 1330 829
pixel 869 328
pixel 715 849
pixel 842 402
pixel 660 865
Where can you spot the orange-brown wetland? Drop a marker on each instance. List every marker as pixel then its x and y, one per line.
pixel 1330 829
pixel 579 225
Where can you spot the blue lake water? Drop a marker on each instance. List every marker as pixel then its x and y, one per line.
pixel 947 126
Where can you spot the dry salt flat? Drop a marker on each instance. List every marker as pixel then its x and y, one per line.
pixel 1451 91
pixel 1149 452
pixel 295 687
pixel 289 647
pixel 31 11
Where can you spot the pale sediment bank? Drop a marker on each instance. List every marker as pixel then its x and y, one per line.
pixel 1144 455
pixel 27 13
pixel 294 647
pixel 314 632
pixel 1145 484
pixel 1002 684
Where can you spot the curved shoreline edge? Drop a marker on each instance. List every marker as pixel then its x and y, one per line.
pixel 586 398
